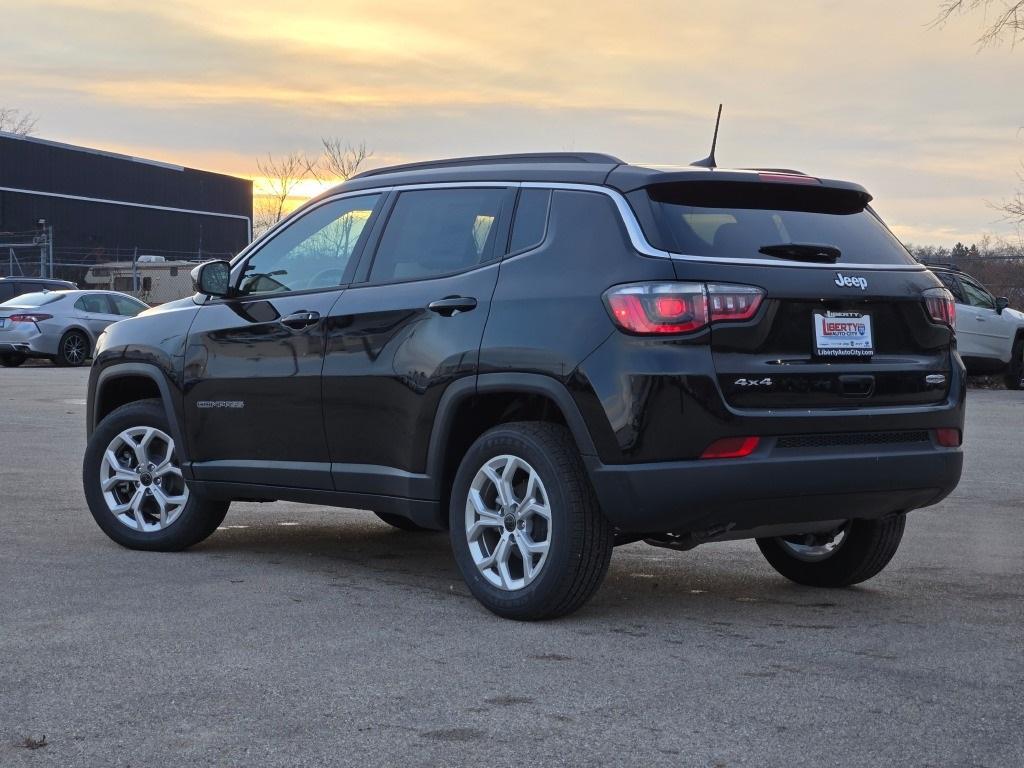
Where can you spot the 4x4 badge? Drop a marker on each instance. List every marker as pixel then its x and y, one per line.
pixel 851 282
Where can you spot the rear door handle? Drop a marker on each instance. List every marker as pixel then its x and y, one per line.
pixel 300 320
pixel 451 305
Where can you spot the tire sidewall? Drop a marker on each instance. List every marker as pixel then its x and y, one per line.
pixel 182 532
pixel 499 442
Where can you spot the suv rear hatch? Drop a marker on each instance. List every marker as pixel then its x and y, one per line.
pixel 847 317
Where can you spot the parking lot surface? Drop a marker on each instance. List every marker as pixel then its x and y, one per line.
pixel 310 636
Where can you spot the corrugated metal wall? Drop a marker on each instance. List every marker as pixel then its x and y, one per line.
pixel 87 227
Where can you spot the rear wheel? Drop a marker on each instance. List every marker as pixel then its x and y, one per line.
pixel 11 361
pixel 72 350
pixel 855 553
pixel 134 484
pixel 526 529
pixel 1015 371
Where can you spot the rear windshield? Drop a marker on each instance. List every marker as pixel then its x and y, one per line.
pixel 33 300
pixel 737 219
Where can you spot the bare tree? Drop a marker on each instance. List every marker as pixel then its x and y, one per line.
pixel 1006 19
pixel 338 160
pixel 16 121
pixel 280 176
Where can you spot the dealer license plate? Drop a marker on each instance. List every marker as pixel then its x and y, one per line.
pixel 843 334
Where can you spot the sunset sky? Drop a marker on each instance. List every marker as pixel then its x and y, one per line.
pixel 864 91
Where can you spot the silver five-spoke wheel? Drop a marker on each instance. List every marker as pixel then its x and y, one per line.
pixel 508 522
pixel 141 480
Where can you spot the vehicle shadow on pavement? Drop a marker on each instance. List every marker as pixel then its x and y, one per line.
pixel 722 585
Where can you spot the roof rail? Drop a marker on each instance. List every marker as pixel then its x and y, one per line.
pixel 942 264
pixel 527 157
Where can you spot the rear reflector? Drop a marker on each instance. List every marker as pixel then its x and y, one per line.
pixel 948 437
pixel 731 448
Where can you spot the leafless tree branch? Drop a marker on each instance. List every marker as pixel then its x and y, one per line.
pixel 338 160
pixel 1007 22
pixel 280 176
pixel 16 121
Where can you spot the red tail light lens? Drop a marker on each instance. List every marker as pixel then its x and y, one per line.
pixel 733 302
pixel 653 308
pixel 661 308
pixel 731 448
pixel 941 306
pixel 29 318
pixel 948 437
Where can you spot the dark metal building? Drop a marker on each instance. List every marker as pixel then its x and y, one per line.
pixel 97 206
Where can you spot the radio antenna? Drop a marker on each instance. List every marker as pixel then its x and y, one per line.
pixel 709 161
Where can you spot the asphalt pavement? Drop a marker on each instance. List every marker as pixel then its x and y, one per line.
pixel 311 636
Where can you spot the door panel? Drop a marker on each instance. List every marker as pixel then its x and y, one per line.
pixel 389 360
pixel 253 397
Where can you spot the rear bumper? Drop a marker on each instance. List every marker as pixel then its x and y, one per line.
pixel 774 487
pixel 29 342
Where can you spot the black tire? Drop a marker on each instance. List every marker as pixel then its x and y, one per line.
pixel 867 548
pixel 397 521
pixel 72 350
pixel 12 361
pixel 199 517
pixel 1015 371
pixel 581 538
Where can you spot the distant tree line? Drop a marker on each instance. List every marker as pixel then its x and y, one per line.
pixel 998 264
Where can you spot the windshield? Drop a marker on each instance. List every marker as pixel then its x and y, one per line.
pixel 33 300
pixel 738 220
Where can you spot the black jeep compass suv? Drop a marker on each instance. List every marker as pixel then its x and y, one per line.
pixel 548 355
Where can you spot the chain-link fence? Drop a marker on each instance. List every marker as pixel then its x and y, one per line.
pixel 154 275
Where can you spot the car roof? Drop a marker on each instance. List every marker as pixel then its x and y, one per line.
pixel 567 168
pixel 23 279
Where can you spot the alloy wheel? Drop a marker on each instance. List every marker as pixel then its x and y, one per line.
pixel 74 349
pixel 141 479
pixel 508 522
pixel 812 548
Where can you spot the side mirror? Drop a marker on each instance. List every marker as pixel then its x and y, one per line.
pixel 1002 303
pixel 212 278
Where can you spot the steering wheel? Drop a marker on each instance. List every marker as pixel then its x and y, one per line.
pixel 327 278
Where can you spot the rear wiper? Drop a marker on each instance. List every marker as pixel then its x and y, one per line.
pixel 802 252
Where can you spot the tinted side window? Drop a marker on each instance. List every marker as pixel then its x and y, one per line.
pixel 977 296
pixel 437 232
pixel 127 307
pixel 951 283
pixel 531 219
pixel 95 302
pixel 6 291
pixel 313 251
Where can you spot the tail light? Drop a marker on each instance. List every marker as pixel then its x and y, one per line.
pixel 948 437
pixel 663 308
pixel 29 318
pixel 941 306
pixel 731 448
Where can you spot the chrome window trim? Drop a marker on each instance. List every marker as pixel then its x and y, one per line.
pixel 636 234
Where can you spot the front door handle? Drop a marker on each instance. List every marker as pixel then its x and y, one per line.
pixel 300 320
pixel 451 305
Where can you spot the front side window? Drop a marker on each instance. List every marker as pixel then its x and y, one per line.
pixel 313 251
pixel 977 296
pixel 437 232
pixel 126 306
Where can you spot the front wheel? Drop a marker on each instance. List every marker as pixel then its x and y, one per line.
pixel 855 553
pixel 526 529
pixel 134 484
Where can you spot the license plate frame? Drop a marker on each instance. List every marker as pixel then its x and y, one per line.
pixel 839 335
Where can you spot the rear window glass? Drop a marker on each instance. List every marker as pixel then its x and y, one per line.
pixel 33 300
pixel 736 219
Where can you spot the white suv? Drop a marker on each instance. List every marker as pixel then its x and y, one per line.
pixel 990 335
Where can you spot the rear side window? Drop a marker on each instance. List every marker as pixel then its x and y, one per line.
pixel 95 303
pixel 126 306
pixel 734 220
pixel 6 290
pixel 952 284
pixel 437 232
pixel 531 220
